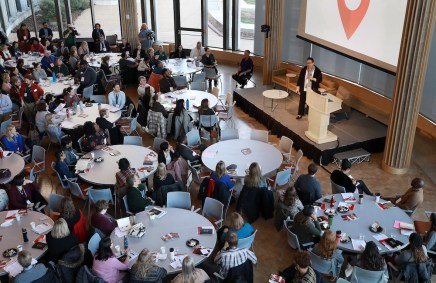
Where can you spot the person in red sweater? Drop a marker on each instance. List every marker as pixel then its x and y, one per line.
pixel 30 93
pixel 101 219
pixel 25 194
pixel 36 46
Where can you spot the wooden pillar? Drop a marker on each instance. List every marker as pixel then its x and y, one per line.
pixel 274 11
pixel 129 21
pixel 411 70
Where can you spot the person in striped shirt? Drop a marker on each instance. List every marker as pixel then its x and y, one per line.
pixel 231 256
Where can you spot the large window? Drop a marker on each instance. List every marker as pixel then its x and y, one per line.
pixel 165 21
pixel 147 13
pixel 81 12
pixel 246 21
pixel 107 14
pixel 215 23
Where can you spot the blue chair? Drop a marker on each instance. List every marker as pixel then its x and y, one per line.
pixel 180 200
pixel 229 134
pixel 214 209
pixel 94 243
pixel 126 206
pixel 281 180
pixel 54 202
pixel 95 195
pixel 293 239
pixel 361 275
pixel 248 242
pixel 133 140
pixel 327 267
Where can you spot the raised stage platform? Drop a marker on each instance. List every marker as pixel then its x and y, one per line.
pixel 357 132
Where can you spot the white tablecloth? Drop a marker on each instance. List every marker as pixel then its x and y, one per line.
pixel 91 113
pixel 180 67
pixel 195 97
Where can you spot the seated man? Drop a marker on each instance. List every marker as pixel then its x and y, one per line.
pixel 230 256
pixel 342 178
pixel 188 153
pixel 167 83
pixel 117 97
pixel 102 46
pixel 48 62
pixel 308 187
pixel 158 107
pixel 30 272
pixel 245 70
pixel 413 197
pixel 86 76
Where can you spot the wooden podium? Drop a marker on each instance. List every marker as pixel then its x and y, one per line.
pixel 320 107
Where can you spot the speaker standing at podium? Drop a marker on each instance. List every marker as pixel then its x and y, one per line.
pixel 310 77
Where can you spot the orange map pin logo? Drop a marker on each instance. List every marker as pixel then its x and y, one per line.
pixel 351 19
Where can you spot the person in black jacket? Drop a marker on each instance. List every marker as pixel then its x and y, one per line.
pixel 167 83
pixel 179 53
pixel 60 240
pixel 97 32
pixel 102 45
pixel 115 134
pixel 192 154
pixel 162 177
pixel 124 46
pixel 166 153
pixel 310 77
pixel 157 107
pixel 45 32
pixel 344 179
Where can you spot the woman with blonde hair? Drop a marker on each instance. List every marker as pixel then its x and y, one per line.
pixel 144 269
pixel 83 49
pixel 162 177
pixel 60 240
pixel 327 248
pixel 74 57
pixel 254 177
pixel 13 141
pixel 220 175
pixel 190 274
pixel 53 129
pixel 237 225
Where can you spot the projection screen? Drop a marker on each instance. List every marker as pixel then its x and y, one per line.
pixel 368 30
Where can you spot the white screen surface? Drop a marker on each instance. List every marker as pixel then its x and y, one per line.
pixel 375 37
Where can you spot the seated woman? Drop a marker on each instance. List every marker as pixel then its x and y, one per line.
pixel 106 265
pixel 237 225
pixel 139 53
pixel 417 252
pixel 115 134
pixel 70 96
pixel 204 109
pixel 182 121
pixel 51 102
pixel 288 206
pixel 306 226
pixel 60 240
pixel 71 155
pixel 41 108
pixel 430 237
pixel 135 191
pixel 157 107
pixel 105 65
pixel 141 91
pixel 125 171
pixel 162 177
pixel 145 270
pixel 144 67
pixel 327 248
pixel 103 220
pixel 53 129
pixel 62 168
pixel 13 141
pixel 69 212
pixel 160 54
pixel 254 177
pixel 178 168
pixel 38 73
pixel 372 260
pixel 166 153
pixel 179 53
pixel 190 273
pixel 220 175
pixel 91 140
pixel 24 195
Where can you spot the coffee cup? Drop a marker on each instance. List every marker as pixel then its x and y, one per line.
pixel 377 197
pixel 162 250
pixel 33 225
pixel 118 249
pixel 20 248
pixel 172 254
pixel 17 217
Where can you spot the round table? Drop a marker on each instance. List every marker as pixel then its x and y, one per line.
pixel 104 173
pixel 181 221
pixel 368 212
pixel 92 114
pixel 274 94
pixel 28 61
pixel 12 235
pixel 195 97
pixel 230 151
pixel 57 88
pixel 15 163
pixel 181 67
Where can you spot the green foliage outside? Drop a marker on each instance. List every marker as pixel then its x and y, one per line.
pixel 48 10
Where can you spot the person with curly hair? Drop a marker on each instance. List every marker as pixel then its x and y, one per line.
pixel 371 259
pixel 145 270
pixel 327 248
